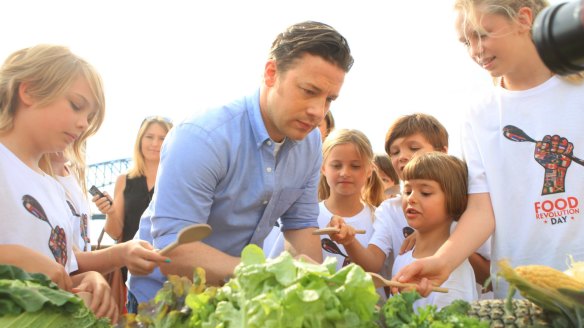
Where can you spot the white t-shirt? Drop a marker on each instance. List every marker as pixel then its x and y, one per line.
pixel 537 208
pixel 362 221
pixel 460 284
pixel 79 206
pixel 33 211
pixel 390 227
pixel 274 243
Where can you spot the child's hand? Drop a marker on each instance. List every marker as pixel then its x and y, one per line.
pixel 140 257
pixel 101 302
pixel 346 235
pixel 103 204
pixel 408 243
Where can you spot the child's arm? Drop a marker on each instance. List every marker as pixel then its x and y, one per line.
pixel 138 255
pixel 32 261
pixel 113 209
pixel 481 268
pixel 370 258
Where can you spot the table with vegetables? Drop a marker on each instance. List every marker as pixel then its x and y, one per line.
pixel 287 292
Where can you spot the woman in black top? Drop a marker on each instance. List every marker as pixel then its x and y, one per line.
pixel 133 191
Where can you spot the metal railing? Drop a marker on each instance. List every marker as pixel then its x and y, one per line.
pixel 105 173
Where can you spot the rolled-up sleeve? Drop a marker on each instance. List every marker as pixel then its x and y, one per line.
pixel 303 213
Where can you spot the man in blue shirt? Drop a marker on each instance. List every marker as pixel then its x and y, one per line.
pixel 241 166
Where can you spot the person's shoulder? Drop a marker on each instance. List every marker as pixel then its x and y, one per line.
pixel 391 204
pixel 405 258
pixel 122 179
pixel 217 116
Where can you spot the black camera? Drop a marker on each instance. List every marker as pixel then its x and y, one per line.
pixel 558 33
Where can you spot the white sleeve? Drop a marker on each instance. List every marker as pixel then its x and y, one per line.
pixel 382 231
pixel 477 180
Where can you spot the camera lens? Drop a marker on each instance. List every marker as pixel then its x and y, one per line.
pixel 558 33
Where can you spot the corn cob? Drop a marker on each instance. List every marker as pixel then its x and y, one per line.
pixel 560 296
pixel 549 278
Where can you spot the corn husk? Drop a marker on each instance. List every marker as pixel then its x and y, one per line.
pixel 575 269
pixel 566 306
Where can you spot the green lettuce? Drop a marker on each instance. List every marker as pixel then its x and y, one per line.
pixel 280 292
pixel 33 300
pixel 399 312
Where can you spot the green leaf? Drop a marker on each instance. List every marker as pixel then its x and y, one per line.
pixel 252 254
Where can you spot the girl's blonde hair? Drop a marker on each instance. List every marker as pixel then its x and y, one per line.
pixel 372 193
pixel 138 162
pixel 50 70
pixel 448 171
pixel 470 10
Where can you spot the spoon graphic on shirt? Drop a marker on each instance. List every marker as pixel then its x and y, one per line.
pixel 514 133
pixel 331 247
pixel 190 234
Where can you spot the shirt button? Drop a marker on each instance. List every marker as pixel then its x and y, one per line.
pixel 269 169
pixel 269 143
pixel 265 202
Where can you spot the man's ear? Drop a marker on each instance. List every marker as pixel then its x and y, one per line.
pixel 24 95
pixel 270 72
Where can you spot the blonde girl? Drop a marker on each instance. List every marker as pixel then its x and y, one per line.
pixel 522 143
pixel 50 99
pixel 349 187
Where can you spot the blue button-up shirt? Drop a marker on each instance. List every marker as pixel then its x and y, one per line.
pixel 219 168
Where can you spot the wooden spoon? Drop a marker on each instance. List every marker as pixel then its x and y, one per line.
pixel 187 235
pixel 328 230
pixel 379 281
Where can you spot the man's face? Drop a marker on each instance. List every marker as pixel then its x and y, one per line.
pixel 298 99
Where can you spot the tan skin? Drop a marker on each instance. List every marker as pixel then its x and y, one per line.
pixel 292 103
pixel 520 71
